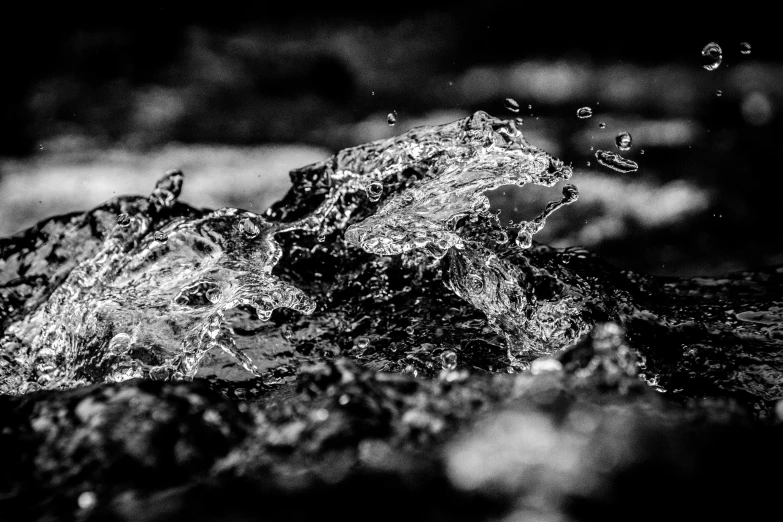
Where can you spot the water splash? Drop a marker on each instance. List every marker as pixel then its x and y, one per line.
pixel 152 304
pixel 615 161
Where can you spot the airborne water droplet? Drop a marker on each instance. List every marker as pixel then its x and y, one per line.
pixel 519 121
pixel 584 112
pixel 745 48
pixel 712 56
pixel 718 93
pixel 321 238
pixel 448 360
pixel 160 237
pixel 511 104
pixel 123 220
pixel 409 330
pixel 40 147
pixel 391 118
pixel 615 161
pixel 374 190
pixel 623 141
pixel 601 125
pixel 362 342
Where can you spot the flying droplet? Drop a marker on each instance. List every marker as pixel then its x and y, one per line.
pixel 87 500
pixel 641 151
pixel 615 161
pixel 214 294
pixel 511 104
pixel 588 163
pixel 623 141
pixel 123 220
pixel 718 93
pixel 409 330
pixel 321 238
pixel 448 360
pixel 475 284
pixel 374 190
pixel 362 342
pixel 519 121
pixel 584 112
pixel 160 236
pixel 712 56
pixel 391 118
pixel 40 147
pixel 601 125
pixel 745 48
pixel 570 193
pixel 524 239
pixel 248 228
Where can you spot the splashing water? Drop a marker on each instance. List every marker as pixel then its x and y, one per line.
pixel 152 305
pixel 615 161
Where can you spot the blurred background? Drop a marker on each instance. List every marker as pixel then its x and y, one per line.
pixel 98 104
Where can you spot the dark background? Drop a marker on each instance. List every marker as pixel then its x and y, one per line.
pixel 277 88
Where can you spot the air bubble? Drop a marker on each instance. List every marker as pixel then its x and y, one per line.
pixel 511 104
pixel 745 48
pixel 374 190
pixel 391 118
pixel 584 112
pixel 623 141
pixel 712 56
pixel 123 220
pixel 448 360
pixel 615 161
pixel 362 342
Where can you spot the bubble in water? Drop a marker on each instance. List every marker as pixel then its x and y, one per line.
pixel 448 360
pixel 718 93
pixel 745 48
pixel 511 104
pixel 160 236
pixel 248 228
pixel 374 190
pixel 615 161
pixel 391 118
pixel 214 294
pixel 123 220
pixel 601 125
pixel 584 112
pixel 623 141
pixel 362 342
pixel 475 284
pixel 712 56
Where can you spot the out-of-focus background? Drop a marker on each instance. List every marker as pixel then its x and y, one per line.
pixel 101 105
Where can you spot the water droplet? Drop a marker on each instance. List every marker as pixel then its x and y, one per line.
pixel 601 125
pixel 615 161
pixel 214 294
pixel 321 238
pixel 511 104
pixel 344 399
pixel 712 56
pixel 409 330
pixel 718 93
pixel 519 121
pixel 40 147
pixel 570 193
pixel 524 239
pixel 584 112
pixel 745 48
pixel 475 284
pixel 623 141
pixel 362 342
pixel 374 190
pixel 286 332
pixel 391 118
pixel 641 151
pixel 248 228
pixel 448 360
pixel 123 220
pixel 588 163
pixel 500 237
pixel 530 107
pixel 160 236
pixel 87 500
